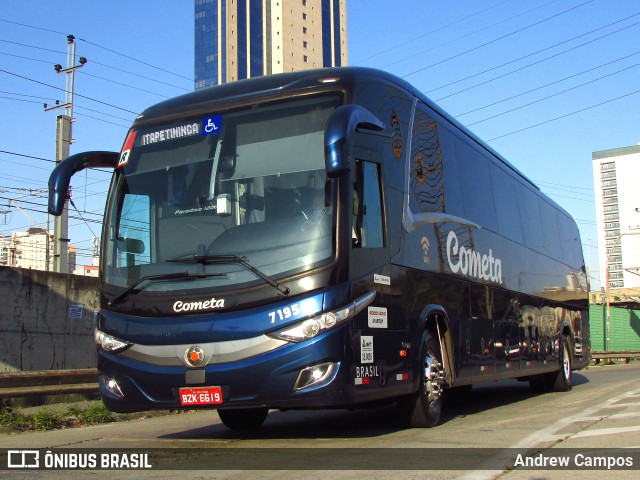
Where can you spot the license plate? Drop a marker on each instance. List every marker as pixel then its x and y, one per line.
pixel 200 396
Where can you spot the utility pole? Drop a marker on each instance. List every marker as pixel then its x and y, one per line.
pixel 64 140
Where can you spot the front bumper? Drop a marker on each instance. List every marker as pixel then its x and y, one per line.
pixel 267 379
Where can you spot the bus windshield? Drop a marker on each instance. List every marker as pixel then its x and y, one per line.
pixel 248 186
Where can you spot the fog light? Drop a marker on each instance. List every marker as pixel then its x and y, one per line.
pixel 315 375
pixel 112 386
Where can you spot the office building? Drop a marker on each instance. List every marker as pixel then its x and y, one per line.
pixel 237 39
pixel 615 176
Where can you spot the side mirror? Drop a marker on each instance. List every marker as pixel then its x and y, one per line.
pixel 131 245
pixel 61 175
pixel 342 123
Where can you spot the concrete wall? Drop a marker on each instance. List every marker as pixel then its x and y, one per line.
pixel 46 320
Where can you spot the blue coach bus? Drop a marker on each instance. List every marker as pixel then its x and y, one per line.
pixel 325 238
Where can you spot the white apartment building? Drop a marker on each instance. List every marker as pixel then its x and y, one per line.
pixel 616 175
pixel 27 249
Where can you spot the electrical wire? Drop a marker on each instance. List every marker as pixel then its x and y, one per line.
pixel 538 62
pixel 562 92
pixel 490 42
pixel 537 52
pixel 99 46
pixel 62 89
pixel 449 25
pixel 564 116
pixel 471 34
pixel 547 85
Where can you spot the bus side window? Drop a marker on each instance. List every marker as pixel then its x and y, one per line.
pixel 367 207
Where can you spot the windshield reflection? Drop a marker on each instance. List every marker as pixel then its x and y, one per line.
pixel 255 189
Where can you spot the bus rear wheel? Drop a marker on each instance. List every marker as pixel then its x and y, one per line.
pixel 424 408
pixel 243 418
pixel 561 381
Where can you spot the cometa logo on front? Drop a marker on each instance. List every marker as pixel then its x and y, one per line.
pixel 181 306
pixel 471 263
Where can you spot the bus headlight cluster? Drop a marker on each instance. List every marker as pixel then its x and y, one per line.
pixel 311 327
pixel 109 343
pixel 314 326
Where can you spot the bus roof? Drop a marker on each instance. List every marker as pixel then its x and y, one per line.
pixel 245 91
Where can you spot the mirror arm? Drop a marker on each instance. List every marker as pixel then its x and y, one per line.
pixel 61 175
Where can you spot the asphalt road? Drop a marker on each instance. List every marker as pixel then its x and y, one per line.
pixel 481 434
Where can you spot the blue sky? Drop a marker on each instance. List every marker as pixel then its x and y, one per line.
pixel 545 82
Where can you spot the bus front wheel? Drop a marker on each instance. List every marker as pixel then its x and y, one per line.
pixel 243 418
pixel 423 408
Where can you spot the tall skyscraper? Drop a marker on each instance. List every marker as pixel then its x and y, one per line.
pixel 615 177
pixel 237 39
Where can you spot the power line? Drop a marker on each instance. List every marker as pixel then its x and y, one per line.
pixel 102 78
pixel 531 54
pixel 30 96
pixel 93 62
pixel 27 156
pixel 564 186
pixel 62 89
pixel 83 219
pixel 103 120
pixel 53 100
pixel 538 62
pixel 431 32
pixel 546 85
pixel 124 84
pixel 507 35
pixel 564 116
pixel 36 47
pixel 138 60
pixel 551 96
pixel 99 46
pixel 49 160
pixel 81 115
pixel 31 26
pixel 24 58
pixel 435 47
pixel 20 100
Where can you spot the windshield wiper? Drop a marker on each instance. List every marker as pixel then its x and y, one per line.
pixel 212 259
pixel 164 276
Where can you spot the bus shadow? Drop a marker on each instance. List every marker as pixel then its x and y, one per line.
pixel 370 422
pixel 487 396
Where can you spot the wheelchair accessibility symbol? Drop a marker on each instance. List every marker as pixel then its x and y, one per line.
pixel 211 125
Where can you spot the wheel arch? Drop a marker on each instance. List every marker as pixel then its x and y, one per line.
pixel 434 320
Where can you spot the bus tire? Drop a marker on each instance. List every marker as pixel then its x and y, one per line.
pixel 561 381
pixel 243 418
pixel 423 408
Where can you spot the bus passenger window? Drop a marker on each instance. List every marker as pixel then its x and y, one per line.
pixel 367 207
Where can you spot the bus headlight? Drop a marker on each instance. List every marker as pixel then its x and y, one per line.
pixel 314 326
pixel 109 343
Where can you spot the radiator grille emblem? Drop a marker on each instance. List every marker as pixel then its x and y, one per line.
pixel 194 356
